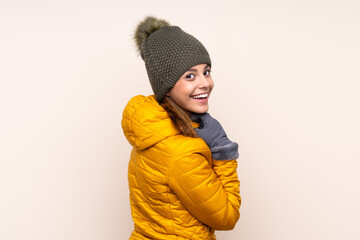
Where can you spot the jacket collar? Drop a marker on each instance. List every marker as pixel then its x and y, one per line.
pixel 146 123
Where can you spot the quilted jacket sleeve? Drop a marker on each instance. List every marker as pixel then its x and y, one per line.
pixel 211 194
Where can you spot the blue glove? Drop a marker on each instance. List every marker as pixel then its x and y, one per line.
pixel 211 131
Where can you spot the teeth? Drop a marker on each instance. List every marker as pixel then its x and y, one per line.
pixel 205 95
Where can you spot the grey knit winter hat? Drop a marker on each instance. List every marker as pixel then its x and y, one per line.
pixel 168 53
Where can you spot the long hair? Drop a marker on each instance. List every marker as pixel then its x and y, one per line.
pixel 179 116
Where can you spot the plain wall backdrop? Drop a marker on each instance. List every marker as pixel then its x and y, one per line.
pixel 287 87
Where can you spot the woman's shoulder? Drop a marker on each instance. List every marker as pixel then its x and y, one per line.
pixel 181 145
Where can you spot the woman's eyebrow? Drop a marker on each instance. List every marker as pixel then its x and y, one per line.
pixel 192 70
pixel 195 70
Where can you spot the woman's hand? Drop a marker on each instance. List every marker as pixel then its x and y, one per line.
pixel 211 131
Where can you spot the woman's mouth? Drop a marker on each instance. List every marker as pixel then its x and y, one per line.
pixel 203 97
pixel 200 96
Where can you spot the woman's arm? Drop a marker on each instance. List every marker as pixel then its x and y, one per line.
pixel 211 194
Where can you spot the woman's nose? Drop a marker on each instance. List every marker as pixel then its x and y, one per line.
pixel 204 82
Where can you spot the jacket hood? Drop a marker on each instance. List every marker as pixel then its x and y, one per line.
pixel 145 122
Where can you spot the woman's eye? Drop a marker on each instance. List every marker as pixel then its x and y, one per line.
pixel 207 72
pixel 191 75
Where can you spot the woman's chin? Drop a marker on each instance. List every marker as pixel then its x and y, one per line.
pixel 196 108
pixel 200 110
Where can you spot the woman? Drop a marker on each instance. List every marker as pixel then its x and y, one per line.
pixel 182 170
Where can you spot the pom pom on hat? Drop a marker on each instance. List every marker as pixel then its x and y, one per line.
pixel 146 27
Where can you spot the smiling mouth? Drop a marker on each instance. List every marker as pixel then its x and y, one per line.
pixel 201 96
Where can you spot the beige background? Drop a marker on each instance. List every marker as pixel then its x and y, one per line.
pixel 286 89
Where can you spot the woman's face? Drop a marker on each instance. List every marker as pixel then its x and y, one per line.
pixel 192 90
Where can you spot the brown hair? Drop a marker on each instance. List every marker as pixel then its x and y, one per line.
pixel 179 116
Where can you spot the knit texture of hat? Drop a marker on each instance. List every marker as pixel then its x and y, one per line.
pixel 168 53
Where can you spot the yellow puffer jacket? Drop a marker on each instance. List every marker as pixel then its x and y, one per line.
pixel 176 190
